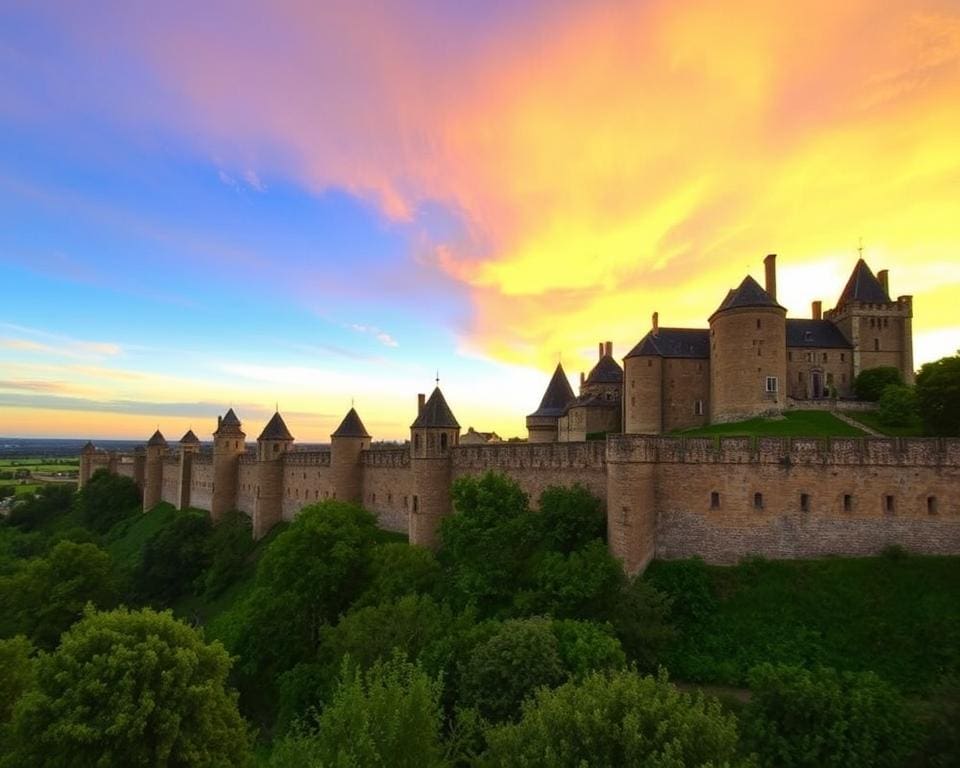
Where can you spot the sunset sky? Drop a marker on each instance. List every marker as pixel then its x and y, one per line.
pixel 206 204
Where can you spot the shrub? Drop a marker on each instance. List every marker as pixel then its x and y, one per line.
pixel 173 558
pixel 38 510
pixel 231 542
pixel 106 500
pixel 398 569
pixel 570 518
pixel 938 396
pixel 824 718
pixel 642 622
pixel 897 406
pixel 871 382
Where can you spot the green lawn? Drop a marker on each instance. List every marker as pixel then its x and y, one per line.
pixel 898 615
pixel 794 424
pixel 872 420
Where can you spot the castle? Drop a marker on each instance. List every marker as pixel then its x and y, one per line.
pixel 665 496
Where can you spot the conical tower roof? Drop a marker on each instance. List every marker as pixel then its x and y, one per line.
pixel 88 448
pixel 157 440
pixel 230 419
pixel 351 426
pixel 558 396
pixel 748 294
pixel 863 286
pixel 436 413
pixel 189 438
pixel 276 429
pixel 606 371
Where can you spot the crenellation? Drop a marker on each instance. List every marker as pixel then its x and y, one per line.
pixel 308 458
pixel 386 457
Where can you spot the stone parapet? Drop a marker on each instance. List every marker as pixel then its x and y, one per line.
pixel 386 457
pixel 307 458
pixel 507 456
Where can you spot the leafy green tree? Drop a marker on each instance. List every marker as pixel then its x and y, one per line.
pixel 571 518
pixel 173 558
pixel 499 674
pixel 42 507
pixel 941 748
pixel 642 622
pixel 388 715
pixel 231 543
pixel 824 718
pixel 897 406
pixel 48 594
pixel 485 547
pixel 938 396
pixel 616 720
pixel 586 647
pixel 871 382
pixel 687 584
pixel 310 574
pixel 582 584
pixel 130 688
pixel 106 500
pixel 16 673
pixel 398 569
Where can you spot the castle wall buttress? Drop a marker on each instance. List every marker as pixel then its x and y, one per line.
pixel 632 502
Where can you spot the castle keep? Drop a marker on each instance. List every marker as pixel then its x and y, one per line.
pixel 666 496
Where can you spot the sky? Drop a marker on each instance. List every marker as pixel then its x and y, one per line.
pixel 308 205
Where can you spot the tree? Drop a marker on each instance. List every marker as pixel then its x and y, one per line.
pixel 106 500
pixel 642 622
pixel 230 545
pixel 616 720
pixel 398 569
pixel 571 518
pixel 310 574
pixel 16 673
pixel 486 545
pixel 824 718
pixel 871 382
pixel 48 594
pixel 173 558
pixel 130 688
pixel 500 673
pixel 897 406
pixel 38 510
pixel 938 396
pixel 388 715
pixel 586 647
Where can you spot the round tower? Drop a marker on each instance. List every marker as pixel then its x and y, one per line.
pixel 86 463
pixel 272 446
pixel 433 436
pixel 229 444
pixel 748 354
pixel 153 471
pixel 643 393
pixel 189 447
pixel 346 444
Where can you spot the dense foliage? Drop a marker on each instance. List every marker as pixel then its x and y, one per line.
pixel 897 406
pixel 938 396
pixel 106 499
pixel 130 688
pixel 871 382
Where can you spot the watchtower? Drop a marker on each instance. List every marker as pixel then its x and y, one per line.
pixel 229 444
pixel 346 444
pixel 272 446
pixel 433 436
pixel 153 471
pixel 189 447
pixel 86 463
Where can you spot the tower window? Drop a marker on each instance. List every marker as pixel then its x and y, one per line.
pixel 758 501
pixel 416 442
pixel 416 503
pixel 758 322
pixel 847 502
pixel 876 345
pixel 714 500
pixel 843 357
pixel 790 356
pixel 804 502
pixel 443 441
pixel 824 357
pixel 771 383
pixel 889 505
pixel 698 407
pixel 931 505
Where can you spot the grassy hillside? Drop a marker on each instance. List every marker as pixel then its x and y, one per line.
pixel 793 424
pixel 872 420
pixel 897 615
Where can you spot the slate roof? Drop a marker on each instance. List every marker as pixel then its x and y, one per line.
pixel 691 343
pixel 190 438
pixel 863 286
pixel 606 371
pixel 156 440
pixel 436 413
pixel 558 396
pixel 88 448
pixel 230 419
pixel 592 401
pixel 351 426
pixel 276 429
pixel 748 294
pixel 815 333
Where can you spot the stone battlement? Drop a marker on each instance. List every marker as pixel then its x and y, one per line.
pixel 531 456
pixel 386 457
pixel 307 458
pixel 786 451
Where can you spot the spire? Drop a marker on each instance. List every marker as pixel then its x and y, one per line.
pixel 229 424
pixel 189 438
pixel 351 426
pixel 863 286
pixel 230 419
pixel 157 440
pixel 276 429
pixel 558 396
pixel 436 413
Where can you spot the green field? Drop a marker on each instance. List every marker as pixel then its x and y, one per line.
pixel 872 420
pixel 40 470
pixel 793 424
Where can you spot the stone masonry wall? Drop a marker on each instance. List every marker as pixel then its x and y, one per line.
pixel 388 487
pixel 247 487
pixel 201 482
pixel 170 486
pixel 306 480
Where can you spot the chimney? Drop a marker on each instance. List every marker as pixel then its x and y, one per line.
pixel 600 350
pixel 816 310
pixel 656 323
pixel 583 378
pixel 219 419
pixel 770 266
pixel 608 349
pixel 884 277
pixel 421 399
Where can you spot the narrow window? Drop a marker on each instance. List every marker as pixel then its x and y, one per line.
pixel 758 322
pixel 771 383
pixel 714 500
pixel 389 498
pixel 406 502
pixel 876 345
pixel 888 504
pixel 416 503
pixel 790 356
pixel 804 502
pixel 443 441
pixel 373 498
pixel 649 363
pixel 873 323
pixel 633 401
pixel 316 495
pixel 847 502
pixel 843 357
pixel 931 505
pixel 886 322
pixel 758 501
pixel 416 442
pixel 800 376
pixel 824 357
pixel 698 408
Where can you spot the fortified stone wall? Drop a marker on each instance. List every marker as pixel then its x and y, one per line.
pixel 306 480
pixel 537 466
pixel 247 485
pixel 388 487
pixel 170 485
pixel 125 468
pixel 201 481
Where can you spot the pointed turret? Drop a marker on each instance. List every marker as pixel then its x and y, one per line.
pixel 433 436
pixel 351 426
pixel 189 438
pixel 542 423
pixel 347 444
pixel 864 287
pixel 88 448
pixel 748 294
pixel 229 444
pixel 436 413
pixel 276 429
pixel 274 442
pixel 153 471
pixel 157 440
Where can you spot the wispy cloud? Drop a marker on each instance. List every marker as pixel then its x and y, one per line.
pixel 36 340
pixel 382 336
